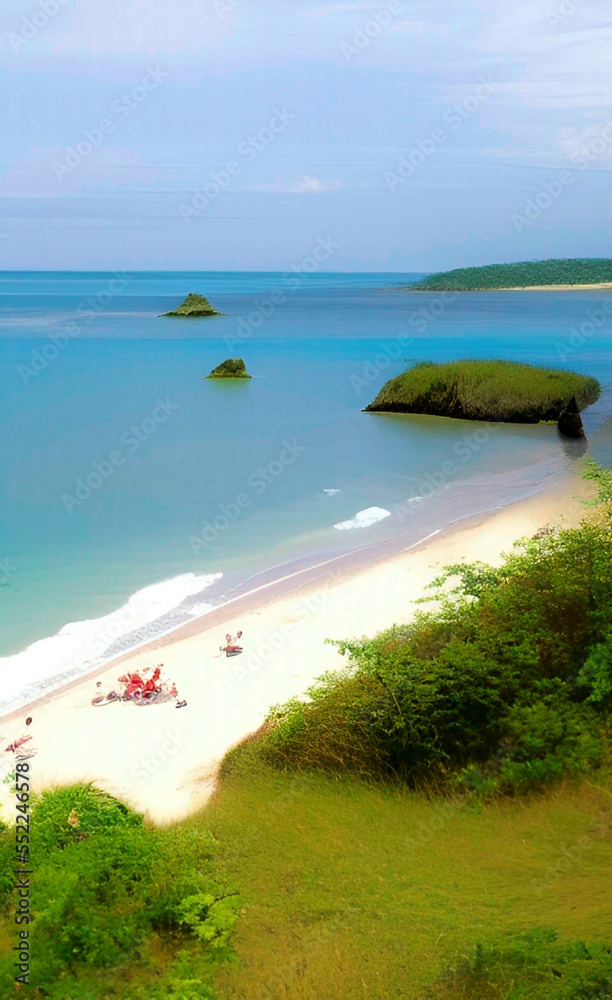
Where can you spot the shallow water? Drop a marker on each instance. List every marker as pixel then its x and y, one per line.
pixel 122 469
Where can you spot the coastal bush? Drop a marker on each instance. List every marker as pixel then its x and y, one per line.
pixel 503 688
pixel 485 390
pixel 569 271
pixel 106 885
pixel 530 966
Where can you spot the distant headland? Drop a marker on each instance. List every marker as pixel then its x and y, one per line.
pixel 569 274
pixel 486 390
pixel 194 305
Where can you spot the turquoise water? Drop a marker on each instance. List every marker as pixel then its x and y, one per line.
pixel 117 400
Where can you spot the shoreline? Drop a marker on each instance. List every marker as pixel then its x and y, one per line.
pixel 163 762
pixel 514 288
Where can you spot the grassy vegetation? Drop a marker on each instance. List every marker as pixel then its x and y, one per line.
pixel 505 686
pixel 432 824
pixel 194 306
pixel 485 390
pixel 570 271
pixel 353 891
pixel 347 890
pixel 119 909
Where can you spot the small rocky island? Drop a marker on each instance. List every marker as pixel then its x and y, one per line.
pixel 491 390
pixel 194 305
pixel 232 368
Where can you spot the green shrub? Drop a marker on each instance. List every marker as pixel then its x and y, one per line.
pixel 105 885
pixel 504 687
pixel 530 966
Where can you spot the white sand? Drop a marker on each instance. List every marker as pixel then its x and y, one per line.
pixel 540 288
pixel 553 288
pixel 162 760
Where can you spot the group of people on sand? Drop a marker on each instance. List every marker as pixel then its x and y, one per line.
pixel 149 683
pixel 146 684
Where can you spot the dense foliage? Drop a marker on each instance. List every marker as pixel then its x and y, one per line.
pixel 105 886
pixel 569 271
pixel 531 966
pixel 504 687
pixel 485 390
pixel 194 305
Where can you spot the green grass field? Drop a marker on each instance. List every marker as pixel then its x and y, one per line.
pixel 355 892
pixel 569 271
pixel 485 390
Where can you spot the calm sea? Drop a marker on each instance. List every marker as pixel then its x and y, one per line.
pixel 130 484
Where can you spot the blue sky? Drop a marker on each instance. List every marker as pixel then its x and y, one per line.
pixel 233 134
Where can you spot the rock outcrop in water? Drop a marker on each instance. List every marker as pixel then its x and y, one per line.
pixel 486 390
pixel 193 306
pixel 232 368
pixel 570 421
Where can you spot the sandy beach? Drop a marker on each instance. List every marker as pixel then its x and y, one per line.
pixel 553 288
pixel 602 285
pixel 163 761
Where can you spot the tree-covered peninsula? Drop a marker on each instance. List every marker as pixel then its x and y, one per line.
pixel 486 390
pixel 193 306
pixel 566 273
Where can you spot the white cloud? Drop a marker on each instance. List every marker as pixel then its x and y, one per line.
pixel 301 185
pixel 329 10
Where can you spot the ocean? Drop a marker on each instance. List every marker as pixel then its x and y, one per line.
pixel 137 495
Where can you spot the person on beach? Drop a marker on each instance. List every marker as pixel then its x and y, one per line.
pixel 172 689
pixel 153 682
pixel 133 682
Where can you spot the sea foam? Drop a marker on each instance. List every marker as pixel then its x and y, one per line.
pixel 364 518
pixel 80 647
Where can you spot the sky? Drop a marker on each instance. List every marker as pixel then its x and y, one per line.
pixel 235 134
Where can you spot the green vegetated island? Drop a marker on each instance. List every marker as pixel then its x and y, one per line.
pixel 565 273
pixel 431 821
pixel 231 368
pixel 194 306
pixel 486 390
